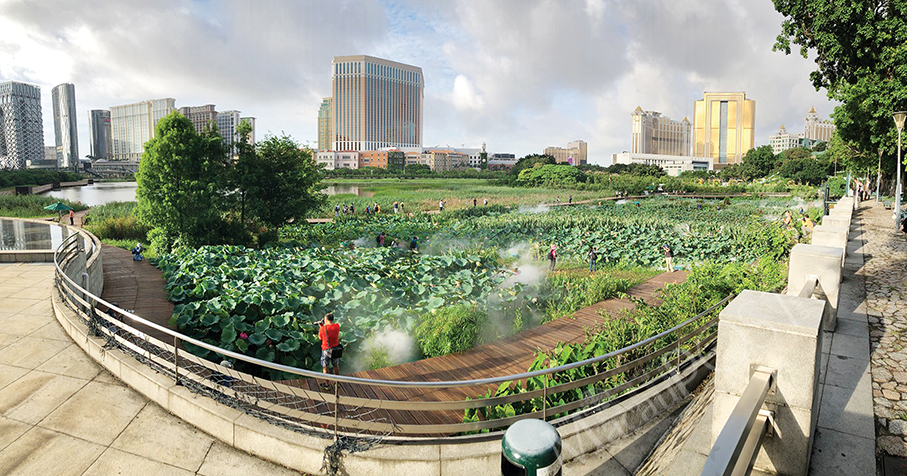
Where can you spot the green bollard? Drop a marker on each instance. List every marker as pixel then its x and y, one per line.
pixel 531 448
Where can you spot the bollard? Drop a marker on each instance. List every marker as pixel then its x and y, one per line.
pixel 531 448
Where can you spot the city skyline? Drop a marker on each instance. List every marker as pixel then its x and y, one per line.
pixel 518 86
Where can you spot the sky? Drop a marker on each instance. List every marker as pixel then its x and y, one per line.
pixel 517 75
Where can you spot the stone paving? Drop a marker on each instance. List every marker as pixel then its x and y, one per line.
pixel 62 414
pixel 886 290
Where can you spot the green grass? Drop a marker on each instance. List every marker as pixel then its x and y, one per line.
pixel 31 206
pixel 116 220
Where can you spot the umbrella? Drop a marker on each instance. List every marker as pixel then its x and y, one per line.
pixel 58 207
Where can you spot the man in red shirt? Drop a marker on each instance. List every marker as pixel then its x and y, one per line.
pixel 329 333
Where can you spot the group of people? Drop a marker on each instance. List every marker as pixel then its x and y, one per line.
pixel 369 209
pixel 381 241
pixel 593 256
pixel 805 222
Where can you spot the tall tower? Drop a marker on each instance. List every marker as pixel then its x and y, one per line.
pixel 132 125
pixel 723 126
pixel 66 134
pixel 654 133
pixel 325 122
pixel 377 103
pixel 21 128
pixel 99 130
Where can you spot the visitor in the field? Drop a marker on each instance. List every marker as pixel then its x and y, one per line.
pixel 329 333
pixel 552 257
pixel 414 243
pixel 336 210
pixel 669 255
pixel 396 207
pixel 593 257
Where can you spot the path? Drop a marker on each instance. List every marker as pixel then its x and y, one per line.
pixel 61 414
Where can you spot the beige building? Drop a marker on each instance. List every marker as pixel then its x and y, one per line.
pixel 325 123
pixel 377 104
pixel 723 126
pixel 337 160
pixel 673 165
pixel 783 140
pixel 132 125
pixel 200 116
pixel 573 154
pixel 654 133
pixel 817 130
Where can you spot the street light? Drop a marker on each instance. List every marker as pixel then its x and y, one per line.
pixel 899 122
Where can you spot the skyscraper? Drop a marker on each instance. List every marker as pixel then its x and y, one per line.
pixel 377 103
pixel 99 130
pixel 200 116
pixel 66 134
pixel 324 124
pixel 723 126
pixel 132 125
pixel 654 133
pixel 21 129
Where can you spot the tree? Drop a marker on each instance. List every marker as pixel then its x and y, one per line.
pixel 551 175
pixel 179 193
pixel 803 170
pixel 530 161
pixel 416 169
pixel 288 184
pixel 861 50
pixel 762 161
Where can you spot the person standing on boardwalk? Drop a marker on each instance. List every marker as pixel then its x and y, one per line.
pixel 593 257
pixel 669 255
pixel 329 333
pixel 72 217
pixel 552 257
pixel 570 200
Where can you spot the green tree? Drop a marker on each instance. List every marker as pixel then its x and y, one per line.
pixel 762 161
pixel 530 161
pixel 861 50
pixel 179 193
pixel 551 175
pixel 245 171
pixel 803 170
pixel 288 184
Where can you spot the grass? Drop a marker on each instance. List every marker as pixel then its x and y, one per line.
pixel 117 221
pixel 423 195
pixel 31 206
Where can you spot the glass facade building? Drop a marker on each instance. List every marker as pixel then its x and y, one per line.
pixel 377 104
pixel 132 125
pixel 66 134
pixel 325 122
pixel 99 131
pixel 723 126
pixel 21 127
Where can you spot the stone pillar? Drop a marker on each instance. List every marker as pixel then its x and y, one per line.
pixel 826 262
pixel 837 221
pixel 826 235
pixel 783 334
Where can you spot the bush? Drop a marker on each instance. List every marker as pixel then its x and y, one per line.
pixel 116 221
pixel 13 178
pixel 449 329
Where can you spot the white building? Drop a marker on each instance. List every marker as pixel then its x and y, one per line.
pixel 672 164
pixel 654 133
pixel 783 140
pixel 338 160
pixel 817 130
pixel 66 133
pixel 21 125
pixel 132 125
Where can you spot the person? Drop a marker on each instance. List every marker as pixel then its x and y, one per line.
pixel 380 239
pixel 352 209
pixel 475 202
pixel 377 208
pixel 593 257
pixel 570 200
pixel 394 243
pixel 396 207
pixel 904 226
pixel 414 243
pixel 368 210
pixel 336 210
pixel 137 252
pixel 441 205
pixel 808 225
pixel 344 209
pixel 329 333
pixel 552 257
pixel 669 255
pixel 485 201
pixel 402 208
pixel 72 217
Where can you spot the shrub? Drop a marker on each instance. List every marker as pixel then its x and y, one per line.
pixel 449 329
pixel 116 221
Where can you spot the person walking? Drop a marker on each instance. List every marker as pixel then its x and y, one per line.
pixel 669 255
pixel 593 257
pixel 72 218
pixel 475 202
pixel 552 257
pixel 570 200
pixel 337 210
pixel 329 333
pixel 441 205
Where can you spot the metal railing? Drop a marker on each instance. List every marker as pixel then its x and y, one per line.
pixel 735 450
pixel 384 407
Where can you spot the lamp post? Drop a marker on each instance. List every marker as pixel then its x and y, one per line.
pixel 879 175
pixel 899 122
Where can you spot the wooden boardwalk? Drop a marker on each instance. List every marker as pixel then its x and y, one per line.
pixel 136 286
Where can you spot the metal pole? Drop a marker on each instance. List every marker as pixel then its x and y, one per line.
pixel 545 397
pixel 899 123
pixel 879 175
pixel 176 360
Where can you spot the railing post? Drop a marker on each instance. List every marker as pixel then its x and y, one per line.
pixel 824 262
pixel 336 409
pixel 545 397
pixel 774 331
pixel 176 359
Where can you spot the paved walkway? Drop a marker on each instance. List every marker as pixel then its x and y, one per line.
pixel 62 414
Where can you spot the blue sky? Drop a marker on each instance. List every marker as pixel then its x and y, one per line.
pixel 518 75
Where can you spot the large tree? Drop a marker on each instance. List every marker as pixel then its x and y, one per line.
pixel 860 50
pixel 761 161
pixel 179 191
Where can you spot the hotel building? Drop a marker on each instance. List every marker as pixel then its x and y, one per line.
pixel 99 132
pixel 817 130
pixel 132 125
pixel 573 154
pixel 654 133
pixel 723 125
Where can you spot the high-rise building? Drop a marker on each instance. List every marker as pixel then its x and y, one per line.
pixel 200 116
pixel 783 140
pixel 132 125
pixel 377 103
pixel 227 124
pixel 723 125
pixel 573 154
pixel 99 130
pixel 324 124
pixel 66 134
pixel 654 133
pixel 817 130
pixel 21 127
pixel 251 121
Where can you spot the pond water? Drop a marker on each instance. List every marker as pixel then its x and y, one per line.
pixel 98 193
pixel 23 235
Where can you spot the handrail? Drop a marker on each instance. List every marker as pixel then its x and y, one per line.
pixel 735 449
pixel 812 282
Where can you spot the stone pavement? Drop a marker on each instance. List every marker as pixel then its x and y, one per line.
pixel 886 289
pixel 62 414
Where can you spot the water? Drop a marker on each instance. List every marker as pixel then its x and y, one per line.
pixel 346 189
pixel 23 235
pixel 98 193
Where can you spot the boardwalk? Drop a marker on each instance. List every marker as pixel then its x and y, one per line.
pixel 137 286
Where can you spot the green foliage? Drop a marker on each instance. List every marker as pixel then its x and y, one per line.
pixel 116 221
pixel 449 329
pixel 31 206
pixel 530 161
pixel 13 178
pixel 639 170
pixel 762 159
pixel 837 187
pixel 550 176
pixel 572 292
pixel 803 170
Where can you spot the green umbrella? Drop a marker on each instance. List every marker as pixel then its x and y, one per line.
pixel 58 207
